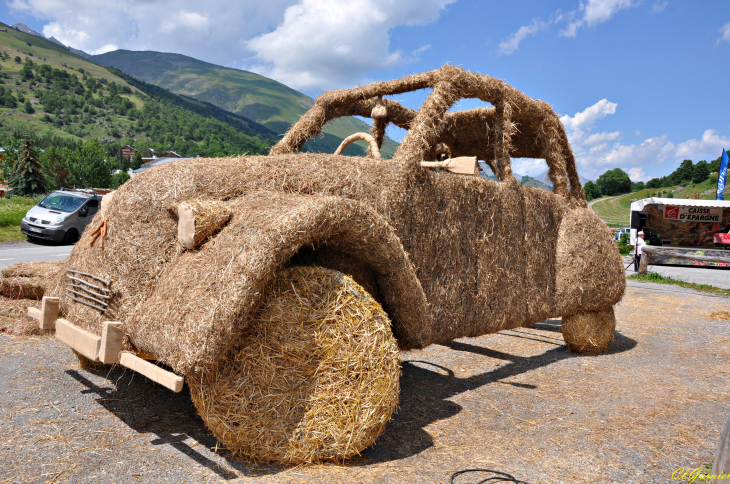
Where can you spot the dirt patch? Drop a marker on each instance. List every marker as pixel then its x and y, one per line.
pixel 516 401
pixel 722 315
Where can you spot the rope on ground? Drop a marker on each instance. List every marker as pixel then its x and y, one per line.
pixel 497 477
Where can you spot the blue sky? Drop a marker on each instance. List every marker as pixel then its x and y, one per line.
pixel 640 85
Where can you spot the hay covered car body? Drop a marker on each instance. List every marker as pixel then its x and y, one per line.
pixel 444 255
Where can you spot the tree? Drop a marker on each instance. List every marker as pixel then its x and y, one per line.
pixel 54 167
pixel 87 165
pixel 635 187
pixel 613 182
pixel 118 179
pixel 121 160
pixel 591 190
pixel 18 59
pixel 137 160
pixel 27 176
pixel 700 172
pixel 683 174
pixel 28 107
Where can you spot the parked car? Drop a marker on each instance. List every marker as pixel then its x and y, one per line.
pixel 61 216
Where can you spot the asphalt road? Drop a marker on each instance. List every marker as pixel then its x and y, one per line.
pixel 697 275
pixel 25 251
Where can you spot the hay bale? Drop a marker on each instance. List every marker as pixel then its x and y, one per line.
pixel 39 269
pixel 316 377
pixel 30 279
pixel 589 332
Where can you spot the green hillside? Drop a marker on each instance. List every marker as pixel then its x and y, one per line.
pixel 263 100
pixel 532 182
pixel 616 211
pixel 49 93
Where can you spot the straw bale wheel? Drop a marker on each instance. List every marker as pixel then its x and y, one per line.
pixel 316 378
pixel 589 332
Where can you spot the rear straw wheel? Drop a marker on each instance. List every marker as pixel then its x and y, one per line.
pixel 590 332
pixel 316 376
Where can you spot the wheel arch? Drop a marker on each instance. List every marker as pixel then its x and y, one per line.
pixel 268 231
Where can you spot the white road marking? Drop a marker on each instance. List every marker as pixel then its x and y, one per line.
pixel 9 259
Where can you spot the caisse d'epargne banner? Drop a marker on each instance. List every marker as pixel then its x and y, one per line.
pixel 693 214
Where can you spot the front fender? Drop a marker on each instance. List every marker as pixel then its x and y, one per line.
pixel 589 269
pixel 200 306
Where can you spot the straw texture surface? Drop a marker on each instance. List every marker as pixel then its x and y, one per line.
pixel 315 378
pixel 589 332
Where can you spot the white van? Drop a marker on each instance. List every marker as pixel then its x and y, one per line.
pixel 62 216
pixel 620 232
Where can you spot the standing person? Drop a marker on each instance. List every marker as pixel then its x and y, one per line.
pixel 637 249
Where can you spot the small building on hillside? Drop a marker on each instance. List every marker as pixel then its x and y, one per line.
pixel 128 151
pixel 170 154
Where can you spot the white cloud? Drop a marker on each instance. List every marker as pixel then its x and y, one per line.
pixel 511 43
pixel 725 31
pixel 214 30
pixel 586 118
pixel 710 145
pixel 185 20
pixel 529 166
pixel 597 152
pixel 65 36
pixel 594 12
pixel 601 138
pixel 345 39
pixel 659 6
pixel 636 174
pixel 421 49
pixel 104 49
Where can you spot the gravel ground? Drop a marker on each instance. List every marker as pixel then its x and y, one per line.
pixel 516 401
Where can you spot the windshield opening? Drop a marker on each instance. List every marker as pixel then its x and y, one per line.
pixel 63 202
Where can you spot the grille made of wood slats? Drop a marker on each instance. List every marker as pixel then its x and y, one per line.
pixel 88 290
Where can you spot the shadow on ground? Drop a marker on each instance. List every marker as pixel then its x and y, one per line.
pixel 425 389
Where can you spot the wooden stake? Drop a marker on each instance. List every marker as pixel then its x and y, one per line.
pixel 112 337
pixel 49 312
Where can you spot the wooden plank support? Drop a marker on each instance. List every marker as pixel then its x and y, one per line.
pixel 153 372
pixel 110 347
pixel 34 313
pixel 80 340
pixel 49 312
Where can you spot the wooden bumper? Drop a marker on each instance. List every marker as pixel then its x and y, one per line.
pixel 106 348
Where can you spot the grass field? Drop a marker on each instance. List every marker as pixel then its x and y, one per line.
pixel 616 211
pixel 659 279
pixel 12 211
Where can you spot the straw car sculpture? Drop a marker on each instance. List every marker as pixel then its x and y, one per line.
pixel 282 287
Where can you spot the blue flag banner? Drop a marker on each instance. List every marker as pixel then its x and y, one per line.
pixel 721 174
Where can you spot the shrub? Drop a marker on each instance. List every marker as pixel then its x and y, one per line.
pixel 623 245
pixel 118 179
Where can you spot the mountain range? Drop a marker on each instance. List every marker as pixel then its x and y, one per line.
pixel 24 28
pixel 263 100
pixel 244 94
